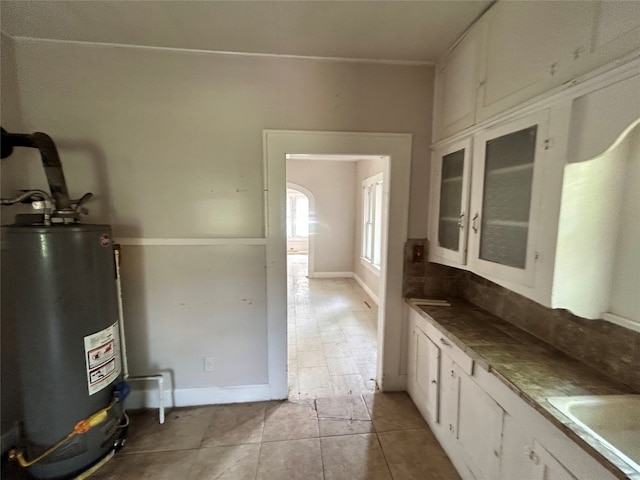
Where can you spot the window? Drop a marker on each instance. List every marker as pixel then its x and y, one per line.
pixel 297 214
pixel 372 220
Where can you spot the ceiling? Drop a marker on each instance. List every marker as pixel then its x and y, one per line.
pixel 418 31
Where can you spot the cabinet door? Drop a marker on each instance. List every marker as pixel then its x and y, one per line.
pixel 424 373
pixel 456 82
pixel 450 178
pixel 616 32
pixel 531 48
pixel 449 389
pixel 428 373
pixel 480 421
pixel 545 466
pixel 506 198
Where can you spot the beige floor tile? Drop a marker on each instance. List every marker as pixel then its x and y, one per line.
pixel 342 365
pixel 337 350
pixel 168 465
pixel 332 334
pixel 239 462
pixel 363 354
pixel 309 344
pixel 345 415
pixel 312 393
pixel 365 342
pixel 313 358
pixel 393 411
pixel 314 377
pixel 289 421
pixel 235 424
pixel 291 460
pixel 348 384
pixel 353 457
pixel 416 455
pixel 367 370
pixel 349 407
pixel 184 428
pixel 331 428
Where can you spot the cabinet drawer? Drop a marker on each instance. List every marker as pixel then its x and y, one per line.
pixel 447 346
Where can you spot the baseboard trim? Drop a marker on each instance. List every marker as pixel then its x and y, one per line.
pixel 332 275
pixel 366 288
pixel 189 397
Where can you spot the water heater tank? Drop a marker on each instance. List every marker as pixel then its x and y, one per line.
pixel 63 297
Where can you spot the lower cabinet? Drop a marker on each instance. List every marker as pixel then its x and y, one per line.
pixel 488 432
pixel 424 373
pixel 472 420
pixel 545 466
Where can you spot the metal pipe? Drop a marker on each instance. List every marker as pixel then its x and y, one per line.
pixel 123 344
pixel 25 195
pixel 50 161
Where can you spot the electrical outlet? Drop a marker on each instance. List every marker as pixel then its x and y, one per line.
pixel 208 364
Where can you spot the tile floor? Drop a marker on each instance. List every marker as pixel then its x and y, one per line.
pixel 332 335
pixel 334 425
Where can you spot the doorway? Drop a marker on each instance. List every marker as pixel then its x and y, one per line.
pixel 332 298
pixel 391 364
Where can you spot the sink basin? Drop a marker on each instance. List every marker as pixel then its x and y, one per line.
pixel 613 419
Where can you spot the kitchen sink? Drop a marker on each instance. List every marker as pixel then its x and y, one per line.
pixel 614 420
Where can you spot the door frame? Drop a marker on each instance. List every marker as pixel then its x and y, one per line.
pixel 391 368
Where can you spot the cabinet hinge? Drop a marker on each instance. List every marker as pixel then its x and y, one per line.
pixel 548 143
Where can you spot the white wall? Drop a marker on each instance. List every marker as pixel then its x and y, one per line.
pixel 331 183
pixel 370 278
pixel 171 144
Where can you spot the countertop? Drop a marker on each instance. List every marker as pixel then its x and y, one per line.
pixel 533 369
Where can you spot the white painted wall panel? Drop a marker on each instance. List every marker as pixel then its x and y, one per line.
pixel 184 303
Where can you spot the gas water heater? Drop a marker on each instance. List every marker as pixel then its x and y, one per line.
pixel 62 294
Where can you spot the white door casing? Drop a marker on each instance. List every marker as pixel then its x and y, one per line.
pixel 391 323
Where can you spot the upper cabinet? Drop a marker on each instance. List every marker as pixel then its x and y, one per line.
pixel 531 48
pixel 450 176
pixel 487 219
pixel 455 85
pixel 507 197
pixel 518 51
pixel 616 31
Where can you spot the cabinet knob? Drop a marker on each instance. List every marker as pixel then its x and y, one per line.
pixel 434 381
pixel 460 220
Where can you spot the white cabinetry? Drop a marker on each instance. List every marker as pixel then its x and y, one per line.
pixel 506 193
pixel 493 225
pixel 520 51
pixel 486 429
pixel 424 371
pixel 455 85
pixel 616 31
pixel 531 48
pixel 545 466
pixel 466 420
pixel 472 420
pixel 450 180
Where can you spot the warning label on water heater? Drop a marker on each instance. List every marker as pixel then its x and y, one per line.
pixel 102 355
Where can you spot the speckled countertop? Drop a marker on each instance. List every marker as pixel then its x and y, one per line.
pixel 530 367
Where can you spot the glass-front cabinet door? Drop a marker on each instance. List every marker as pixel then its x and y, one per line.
pixel 506 198
pixel 450 177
